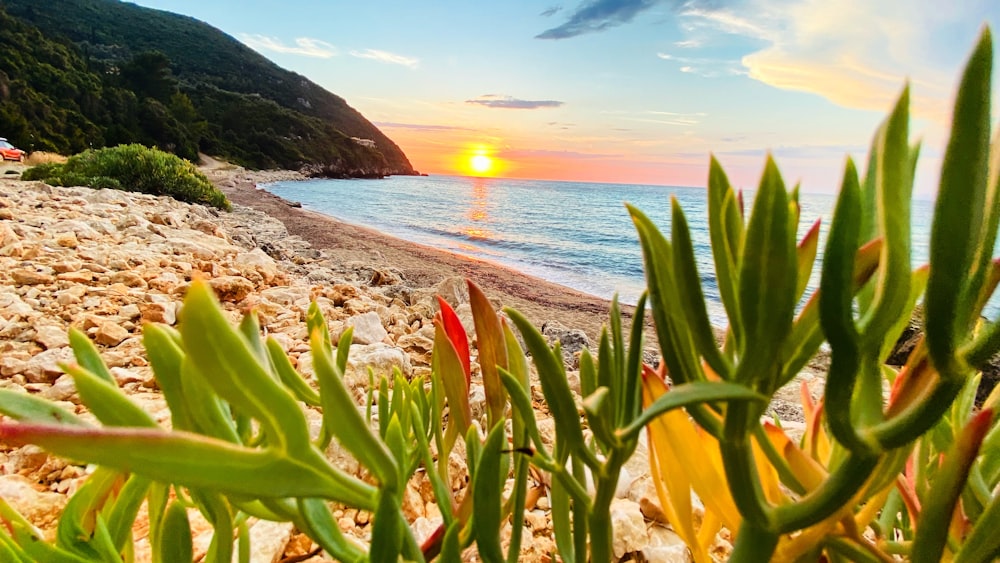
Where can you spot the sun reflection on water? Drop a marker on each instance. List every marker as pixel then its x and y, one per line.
pixel 478 212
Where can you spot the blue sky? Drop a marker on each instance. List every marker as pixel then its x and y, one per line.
pixel 625 90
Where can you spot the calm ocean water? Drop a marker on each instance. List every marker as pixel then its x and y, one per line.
pixel 575 234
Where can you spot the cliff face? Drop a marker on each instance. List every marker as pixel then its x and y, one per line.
pixel 201 90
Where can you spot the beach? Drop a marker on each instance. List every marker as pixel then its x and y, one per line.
pixel 421 266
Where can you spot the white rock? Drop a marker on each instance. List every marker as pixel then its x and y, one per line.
pixel 258 261
pixel 62 390
pixel 130 312
pixel 454 290
pixel 41 508
pixel 123 376
pixel 629 527
pixel 51 336
pixel 664 545
pixel 268 541
pixel 44 368
pixel 380 357
pixel 110 333
pixel 368 328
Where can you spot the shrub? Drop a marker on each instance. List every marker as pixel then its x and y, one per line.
pixel 42 157
pixel 133 168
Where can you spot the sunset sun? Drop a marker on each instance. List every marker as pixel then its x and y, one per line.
pixel 481 164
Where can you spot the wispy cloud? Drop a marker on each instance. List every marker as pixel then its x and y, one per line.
pixel 818 46
pixel 818 152
pixel 420 126
pixel 386 57
pixel 508 102
pixel 597 15
pixel 659 117
pixel 689 43
pixel 705 67
pixel 550 11
pixel 304 46
pixel 543 153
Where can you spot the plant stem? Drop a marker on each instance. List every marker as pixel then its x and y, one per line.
pixel 753 543
pixel 831 496
pixel 741 471
pixel 601 532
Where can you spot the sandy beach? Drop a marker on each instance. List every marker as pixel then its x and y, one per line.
pixel 421 266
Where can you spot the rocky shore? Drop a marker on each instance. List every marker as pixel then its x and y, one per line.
pixel 107 262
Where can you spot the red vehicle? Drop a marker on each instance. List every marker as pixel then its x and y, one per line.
pixel 10 152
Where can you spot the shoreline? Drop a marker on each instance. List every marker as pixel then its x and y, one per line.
pixel 422 266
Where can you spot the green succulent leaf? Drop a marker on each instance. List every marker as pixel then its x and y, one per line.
pixel 836 309
pixel 167 359
pixel 77 527
pixel 176 543
pixel 632 394
pixel 894 183
pixel 289 377
pixel 318 523
pixel 555 387
pixel 217 510
pixel 315 321
pixel 387 531
pixel 106 400
pixel 561 525
pixel 687 282
pixel 198 462
pixel 238 377
pixel 86 355
pixel 486 491
pixel 250 329
pixel 342 418
pixel 29 408
pixel 687 394
pixel 521 404
pixel 588 372
pixel 126 507
pixel 726 232
pixel 767 282
pixel 958 214
pixel 598 409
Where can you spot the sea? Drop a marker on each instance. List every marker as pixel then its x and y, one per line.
pixel 575 234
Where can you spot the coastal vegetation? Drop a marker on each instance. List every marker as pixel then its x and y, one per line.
pixel 133 168
pixel 82 74
pixel 910 474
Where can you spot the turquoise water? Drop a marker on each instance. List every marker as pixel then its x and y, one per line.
pixel 571 233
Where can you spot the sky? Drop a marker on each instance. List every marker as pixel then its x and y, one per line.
pixel 625 91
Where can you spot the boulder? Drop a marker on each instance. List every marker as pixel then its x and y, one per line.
pixel 232 289
pixel 258 260
pixel 571 341
pixel 453 290
pixel 41 508
pixel 380 357
pixel 368 328
pixel 44 367
pixel 31 277
pixel 51 336
pixel 629 528
pixel 110 334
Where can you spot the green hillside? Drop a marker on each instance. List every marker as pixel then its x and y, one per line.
pixel 98 72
